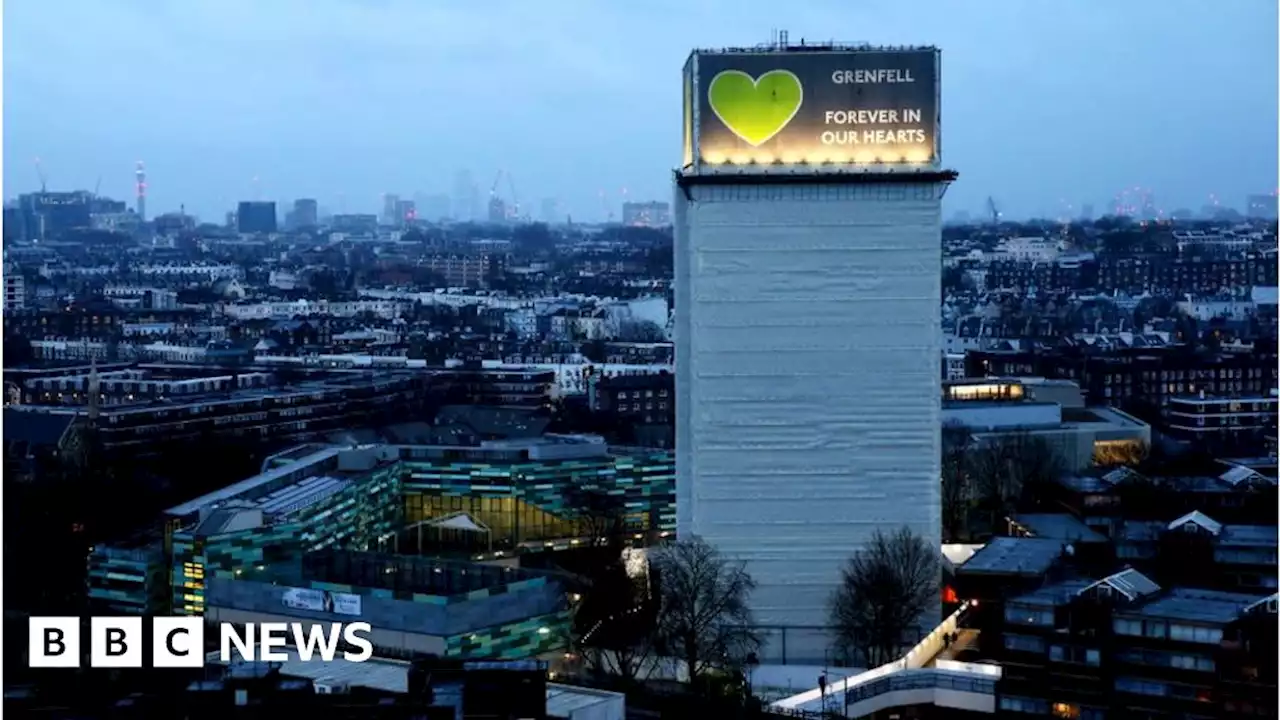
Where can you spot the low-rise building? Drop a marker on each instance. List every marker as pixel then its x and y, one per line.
pixel 1052 410
pixel 415 605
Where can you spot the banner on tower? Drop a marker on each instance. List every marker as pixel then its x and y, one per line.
pixel 780 110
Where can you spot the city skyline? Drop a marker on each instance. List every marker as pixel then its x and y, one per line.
pixel 239 101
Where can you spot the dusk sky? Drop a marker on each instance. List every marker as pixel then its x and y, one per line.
pixel 343 100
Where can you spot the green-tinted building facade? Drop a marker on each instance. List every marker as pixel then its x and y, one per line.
pixel 320 497
pixel 128 581
pixel 522 500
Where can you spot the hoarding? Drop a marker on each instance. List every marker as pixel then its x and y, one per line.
pixel 322 601
pixel 816 108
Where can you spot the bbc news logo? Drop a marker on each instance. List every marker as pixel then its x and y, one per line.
pixel 178 642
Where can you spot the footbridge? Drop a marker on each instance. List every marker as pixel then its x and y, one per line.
pixel 926 675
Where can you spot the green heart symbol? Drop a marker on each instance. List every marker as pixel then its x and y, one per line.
pixel 755 109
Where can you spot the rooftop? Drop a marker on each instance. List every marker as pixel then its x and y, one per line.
pixel 248 485
pixel 1015 556
pixel 392 676
pixel 1207 606
pixel 1053 594
pixel 1057 526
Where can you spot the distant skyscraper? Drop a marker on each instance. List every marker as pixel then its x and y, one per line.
pixel 646 214
pixel 1086 212
pixel 256 217
pixel 306 213
pixel 406 212
pixel 141 176
pixel 389 205
pixel 466 197
pixel 1262 207
pixel 551 211
pixel 497 210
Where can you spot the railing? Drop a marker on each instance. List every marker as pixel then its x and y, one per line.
pixel 922 679
pixel 904 674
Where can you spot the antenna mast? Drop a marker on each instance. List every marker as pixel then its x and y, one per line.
pixel 141 175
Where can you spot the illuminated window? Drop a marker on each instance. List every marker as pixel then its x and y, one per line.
pixel 1066 710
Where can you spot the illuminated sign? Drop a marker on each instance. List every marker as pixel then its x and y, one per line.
pixel 322 601
pixel 826 107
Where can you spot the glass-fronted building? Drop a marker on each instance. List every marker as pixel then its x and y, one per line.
pixel 503 496
pixel 523 492
pixel 128 580
pixel 350 502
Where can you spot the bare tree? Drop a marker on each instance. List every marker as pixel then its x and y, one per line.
pixel 885 589
pixel 957 491
pixel 703 616
pixel 1011 469
pixel 615 625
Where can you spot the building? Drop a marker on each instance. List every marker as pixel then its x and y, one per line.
pixel 497 210
pixel 551 213
pixel 329 498
pixel 423 688
pixel 496 499
pixel 390 209
pixel 1050 409
pixel 1223 424
pixel 416 605
pixel 151 408
pixel 646 214
pixel 807 330
pixel 355 224
pixel 128 579
pixel 1195 549
pixel 48 215
pixel 1123 646
pixel 306 213
pixel 522 492
pixel 15 289
pixel 406 212
pixel 1261 206
pixel 642 404
pixel 254 217
pixel 468 269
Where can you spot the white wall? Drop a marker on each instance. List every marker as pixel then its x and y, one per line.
pixel 807 338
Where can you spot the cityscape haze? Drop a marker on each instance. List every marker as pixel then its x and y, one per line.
pixel 587 361
pixel 333 100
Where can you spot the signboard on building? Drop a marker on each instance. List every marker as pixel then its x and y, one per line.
pixel 825 108
pixel 322 601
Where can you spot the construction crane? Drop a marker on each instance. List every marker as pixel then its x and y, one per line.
pixel 40 174
pixel 993 211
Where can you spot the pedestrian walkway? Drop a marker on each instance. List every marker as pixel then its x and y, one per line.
pixel 966 639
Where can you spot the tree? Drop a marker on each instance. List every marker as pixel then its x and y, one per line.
pixel 703 614
pixel 885 589
pixel 957 491
pixel 615 623
pixel 1012 469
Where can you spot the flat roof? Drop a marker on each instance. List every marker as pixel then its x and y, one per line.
pixel 1054 594
pixel 393 676
pixel 1058 526
pixel 1196 605
pixel 1014 556
pixel 237 489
